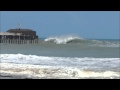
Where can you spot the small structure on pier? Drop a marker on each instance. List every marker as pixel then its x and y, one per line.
pixel 19 36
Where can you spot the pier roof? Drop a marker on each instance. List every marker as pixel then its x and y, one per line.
pixel 22 31
pixel 19 30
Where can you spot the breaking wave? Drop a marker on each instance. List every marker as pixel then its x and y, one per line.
pixel 78 40
pixel 58 61
pixel 63 39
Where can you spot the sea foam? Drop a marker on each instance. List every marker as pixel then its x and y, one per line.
pixel 37 71
pixel 87 63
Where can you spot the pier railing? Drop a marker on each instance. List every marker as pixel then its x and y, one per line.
pixel 18 38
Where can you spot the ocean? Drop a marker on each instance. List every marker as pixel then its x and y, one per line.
pixel 62 57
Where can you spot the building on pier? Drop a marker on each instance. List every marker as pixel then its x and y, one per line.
pixel 19 36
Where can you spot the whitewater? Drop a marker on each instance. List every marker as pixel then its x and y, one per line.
pixel 62 57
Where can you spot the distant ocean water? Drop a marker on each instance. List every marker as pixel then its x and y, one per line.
pixel 62 57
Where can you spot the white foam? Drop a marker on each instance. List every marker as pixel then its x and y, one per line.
pixel 83 63
pixel 62 39
pixel 37 71
pixel 105 43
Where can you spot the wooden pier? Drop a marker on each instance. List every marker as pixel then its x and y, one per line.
pixel 19 36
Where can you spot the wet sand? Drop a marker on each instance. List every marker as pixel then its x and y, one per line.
pixel 9 76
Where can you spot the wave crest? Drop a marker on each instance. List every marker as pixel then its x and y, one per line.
pixel 63 39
